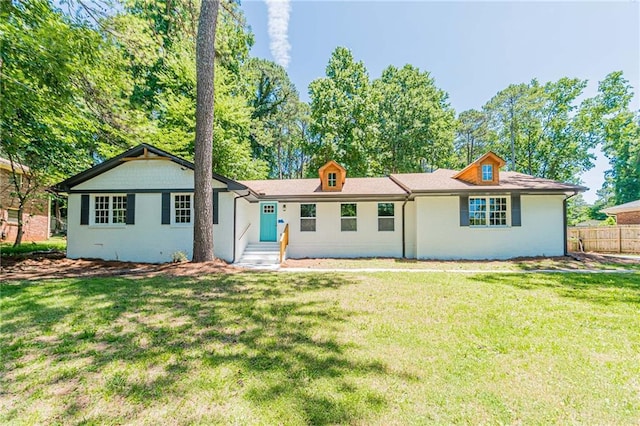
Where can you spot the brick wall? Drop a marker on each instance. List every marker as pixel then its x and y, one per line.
pixel 628 218
pixel 35 219
pixel 36 228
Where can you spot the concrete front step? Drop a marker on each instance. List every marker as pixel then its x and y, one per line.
pixel 260 255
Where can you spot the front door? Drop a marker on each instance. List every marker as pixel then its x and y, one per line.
pixel 268 221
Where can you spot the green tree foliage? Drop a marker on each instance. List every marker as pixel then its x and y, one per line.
pixel 158 39
pixel 279 119
pixel 343 116
pixel 578 210
pixel 397 123
pixel 539 129
pixel 415 123
pixel 617 128
pixel 474 136
pixel 42 126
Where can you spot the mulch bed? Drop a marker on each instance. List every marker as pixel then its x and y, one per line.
pixel 51 265
pixel 55 265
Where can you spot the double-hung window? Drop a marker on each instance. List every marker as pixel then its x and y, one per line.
pixel 307 217
pixel 110 209
pixel 488 211
pixel 182 208
pixel 386 217
pixel 348 217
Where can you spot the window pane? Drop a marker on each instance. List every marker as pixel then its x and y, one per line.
pixel 12 216
pixel 385 209
pixel 307 210
pixel 182 205
pixel 307 225
pixel 487 172
pixel 386 224
pixel 119 208
pixel 101 209
pixel 331 179
pixel 477 211
pixel 348 210
pixel 498 211
pixel 268 209
pixel 349 224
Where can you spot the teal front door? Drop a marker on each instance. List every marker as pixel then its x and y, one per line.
pixel 268 221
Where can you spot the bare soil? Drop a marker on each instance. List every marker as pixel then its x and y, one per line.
pixel 55 265
pixel 37 266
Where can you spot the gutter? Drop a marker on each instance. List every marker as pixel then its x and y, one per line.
pixel 235 227
pixel 564 221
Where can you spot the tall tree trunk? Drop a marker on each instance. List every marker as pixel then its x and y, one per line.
pixel 203 194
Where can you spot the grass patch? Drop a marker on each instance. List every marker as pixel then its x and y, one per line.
pixel 555 263
pixel 261 348
pixel 55 243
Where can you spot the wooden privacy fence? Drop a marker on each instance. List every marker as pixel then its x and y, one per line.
pixel 605 239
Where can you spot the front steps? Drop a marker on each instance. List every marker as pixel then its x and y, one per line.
pixel 260 256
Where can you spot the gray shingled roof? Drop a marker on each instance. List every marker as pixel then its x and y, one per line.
pixel 442 180
pixel 627 207
pixel 402 184
pixel 353 187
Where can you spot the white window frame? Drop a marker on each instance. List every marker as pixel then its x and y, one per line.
pixel 350 218
pixel 110 198
pixel 309 219
pixel 332 179
pixel 489 171
pixel 392 217
pixel 174 221
pixel 487 217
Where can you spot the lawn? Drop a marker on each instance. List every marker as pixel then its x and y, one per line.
pixel 268 348
pixel 54 243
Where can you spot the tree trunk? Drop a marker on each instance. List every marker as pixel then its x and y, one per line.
pixel 20 230
pixel 203 195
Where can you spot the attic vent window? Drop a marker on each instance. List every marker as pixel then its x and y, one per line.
pixel 487 172
pixel 332 179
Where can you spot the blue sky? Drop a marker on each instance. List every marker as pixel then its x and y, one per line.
pixel 473 49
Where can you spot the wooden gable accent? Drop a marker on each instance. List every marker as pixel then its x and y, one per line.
pixel 473 172
pixel 328 172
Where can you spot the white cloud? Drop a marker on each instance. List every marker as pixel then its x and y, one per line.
pixel 278 11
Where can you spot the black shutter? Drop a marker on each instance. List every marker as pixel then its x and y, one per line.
pixel 464 210
pixel 166 208
pixel 515 210
pixel 84 209
pixel 131 209
pixel 215 206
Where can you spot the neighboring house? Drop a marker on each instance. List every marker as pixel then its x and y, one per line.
pixel 625 214
pixel 36 214
pixel 139 207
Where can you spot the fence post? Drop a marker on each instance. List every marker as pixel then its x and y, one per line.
pixel 619 239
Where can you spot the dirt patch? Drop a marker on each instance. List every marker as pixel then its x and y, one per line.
pixel 55 265
pixel 51 266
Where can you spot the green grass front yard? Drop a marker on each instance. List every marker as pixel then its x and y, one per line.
pixel 264 348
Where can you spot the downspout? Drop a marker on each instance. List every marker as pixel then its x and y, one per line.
pixel 235 225
pixel 404 242
pixel 564 221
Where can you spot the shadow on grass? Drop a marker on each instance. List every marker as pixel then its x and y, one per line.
pixel 599 288
pixel 141 340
